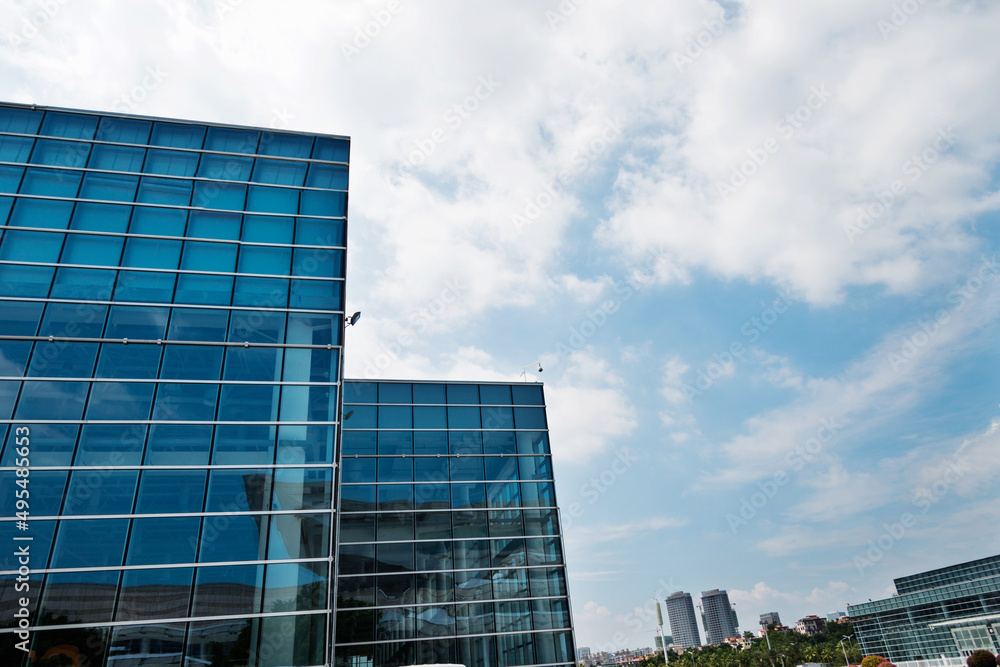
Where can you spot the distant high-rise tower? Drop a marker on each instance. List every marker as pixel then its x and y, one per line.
pixel 683 625
pixel 769 618
pixel 718 616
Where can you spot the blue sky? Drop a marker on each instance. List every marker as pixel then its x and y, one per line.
pixel 753 246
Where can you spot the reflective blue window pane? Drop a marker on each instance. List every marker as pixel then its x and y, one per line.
pixel 177 136
pixel 462 417
pixel 472 585
pixel 124 131
pixel 83 284
pixel 96 492
pixel 535 467
pixel 239 490
pixel 63 319
pixel 256 259
pixel 128 361
pixel 63 594
pixel 357 498
pixel 431 469
pixel 117 158
pixel 395 496
pixel 15 149
pixel 498 417
pixel 299 536
pixel 470 524
pixel 495 394
pixel 357 470
pixel 501 467
pixel 45 492
pixel 109 187
pixel 209 257
pixel 332 150
pixel 295 587
pixel 214 225
pixel 538 495
pixel 430 417
pixel 171 163
pixel 231 140
pixel 69 125
pixel 532 443
pixel 395 392
pixel 465 443
pixel 285 145
pixel 499 442
pixel 306 639
pixel 505 523
pixel 548 581
pixel 221 640
pixel 394 526
pixel 359 416
pixel 357 528
pixel 325 203
pixel 529 418
pixel 10 177
pixel 65 154
pixel 360 392
pixel 280 172
pixel 267 229
pixel 327 176
pixel 395 470
pixel 168 491
pixel 432 526
pixel 318 263
pixel 171 444
pixel 231 590
pixel 326 233
pixel 510 583
pixel 432 496
pixel 144 286
pixel 357 442
pixel 302 488
pixel 90 543
pixel 258 364
pixel 527 394
pixel 465 496
pixel 225 167
pixel 41 531
pixel 6 204
pixel 92 250
pixel 152 253
pixel 50 182
pixel 541 522
pixel 25 280
pixel 245 443
pixel 477 651
pixel 101 217
pixel 317 294
pixel 395 443
pixel 174 192
pixel 430 442
pixel 257 327
pixel 233 538
pixel 463 394
pixel 41 213
pixel 513 616
pixel 358 625
pixel 30 246
pixel 208 290
pixel 198 362
pixel 52 400
pixel 51 444
pixel 119 400
pixel 155 541
pixel 186 402
pixel 110 444
pixel 261 292
pixel 22 121
pixel 357 559
pixel 152 594
pixel 395 416
pixel 272 200
pixel 467 468
pixel 544 551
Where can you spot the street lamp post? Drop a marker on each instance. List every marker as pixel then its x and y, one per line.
pixel 847 661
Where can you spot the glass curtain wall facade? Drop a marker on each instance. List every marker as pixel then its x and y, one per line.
pixel 450 548
pixel 171 320
pixel 949 612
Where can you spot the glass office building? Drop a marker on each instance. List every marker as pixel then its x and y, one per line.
pixel 450 549
pixel 171 329
pixel 949 612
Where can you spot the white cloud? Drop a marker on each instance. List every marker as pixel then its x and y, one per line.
pixel 623 531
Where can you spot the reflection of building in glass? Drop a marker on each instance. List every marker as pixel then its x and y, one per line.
pixel 171 324
pixel 449 548
pixel 948 612
pixel 718 616
pixel 683 625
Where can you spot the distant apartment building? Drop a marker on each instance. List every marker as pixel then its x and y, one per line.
pixel 837 617
pixel 949 612
pixel 810 625
pixel 582 652
pixel 683 624
pixel 718 616
pixel 769 618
